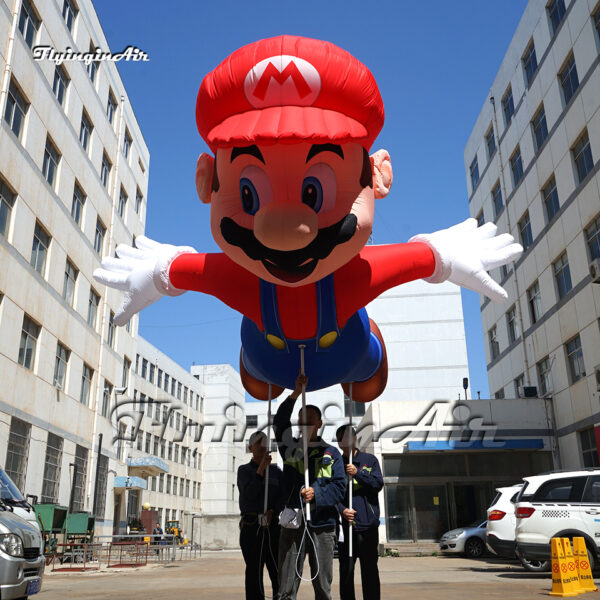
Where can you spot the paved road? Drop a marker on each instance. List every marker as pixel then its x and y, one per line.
pixel 221 577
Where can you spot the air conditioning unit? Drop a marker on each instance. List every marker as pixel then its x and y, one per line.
pixel 595 270
pixel 530 391
pixel 597 371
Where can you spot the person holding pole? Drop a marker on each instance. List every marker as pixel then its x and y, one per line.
pixel 259 526
pixel 327 485
pixel 360 519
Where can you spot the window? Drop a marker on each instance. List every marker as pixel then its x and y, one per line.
pixel 81 462
pixel 529 63
pixel 474 169
pixel 126 368
pixel 534 300
pixel 51 160
pixel 499 395
pixel 92 66
pixel 110 336
pixel 539 127
pixel 166 388
pixel 100 489
pixel 144 368
pixel 39 249
pixel 142 169
pixel 170 451
pixel 151 372
pixel 173 386
pixel 126 143
pixel 494 345
pixel 589 449
pixel 561 490
pixel 159 378
pixel 86 384
pixel 179 391
pixel 556 12
pixel 358 408
pixel 60 365
pixel 7 201
pixel 17 451
pixel 512 324
pixel 503 272
pixel 525 231
pixel 111 107
pixel 596 17
pixel 497 199
pixel 99 237
pixel 582 155
pixel 122 202
pixel 60 84
pixel 77 204
pixel 480 219
pixel 29 335
pixel 545 376
pixel 508 107
pixel 575 359
pixel 69 13
pixel 93 303
pixel 16 109
pixel 550 195
pixel 569 81
pixel 138 200
pixel 85 131
pixel 106 394
pixel 29 23
pixel 562 274
pixel 52 464
pixel 252 420
pixel 519 382
pixel 592 234
pixel 490 142
pixel 105 170
pixel 148 441
pixel 516 166
pixel 69 281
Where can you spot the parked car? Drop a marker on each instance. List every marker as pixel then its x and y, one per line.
pixel 11 495
pixel 469 540
pixel 501 528
pixel 21 557
pixel 563 504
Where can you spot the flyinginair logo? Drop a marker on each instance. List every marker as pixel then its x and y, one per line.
pixel 49 53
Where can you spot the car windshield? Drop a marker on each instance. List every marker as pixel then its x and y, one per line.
pixel 8 490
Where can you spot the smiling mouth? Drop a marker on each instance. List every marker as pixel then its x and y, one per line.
pixel 290 266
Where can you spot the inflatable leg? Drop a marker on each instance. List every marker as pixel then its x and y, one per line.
pixel 255 387
pixel 365 391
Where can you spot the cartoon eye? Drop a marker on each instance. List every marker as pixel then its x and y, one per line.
pixel 312 193
pixel 249 196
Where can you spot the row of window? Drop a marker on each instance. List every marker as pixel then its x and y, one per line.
pixel 152 409
pixel 169 450
pixel 164 486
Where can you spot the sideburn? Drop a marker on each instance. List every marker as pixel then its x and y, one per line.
pixel 366 175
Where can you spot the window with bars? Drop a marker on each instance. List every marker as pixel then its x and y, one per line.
pixel 512 324
pixel 52 467
pixel 497 199
pixel 529 61
pixel 474 170
pixel 582 156
pixel 562 275
pixel 508 106
pixel 81 461
pixel 50 164
pixel 86 384
pixel 101 487
pixel 30 332
pixel 39 249
pixel 7 201
pixel 17 452
pixel 539 127
pixel 60 84
pixel 569 80
pixel 490 142
pixel 525 231
pixel 16 110
pixel 29 23
pixel 556 13
pixel 105 169
pixel 77 204
pixel 589 448
pixel 69 282
pixel 550 195
pixel 592 235
pixel 99 237
pixel 85 130
pixel 60 365
pixel 516 166
pixel 534 300
pixel 575 359
pixel 545 376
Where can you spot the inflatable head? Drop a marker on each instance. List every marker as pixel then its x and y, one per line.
pixel 291 185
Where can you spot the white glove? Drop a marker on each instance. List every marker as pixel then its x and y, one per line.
pixel 142 273
pixel 464 253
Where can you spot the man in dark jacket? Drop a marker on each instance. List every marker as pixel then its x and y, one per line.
pixel 259 532
pixel 361 520
pixel 327 484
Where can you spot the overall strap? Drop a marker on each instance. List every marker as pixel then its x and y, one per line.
pixel 327 327
pixel 270 316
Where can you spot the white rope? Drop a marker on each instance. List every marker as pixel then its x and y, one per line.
pixel 265 504
pixel 304 440
pixel 350 479
pixel 302 554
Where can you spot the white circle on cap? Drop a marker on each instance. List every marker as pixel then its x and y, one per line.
pixel 282 81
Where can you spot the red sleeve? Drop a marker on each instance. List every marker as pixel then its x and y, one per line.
pixel 219 276
pixel 377 269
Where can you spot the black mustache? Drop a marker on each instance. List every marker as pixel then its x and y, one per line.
pixel 323 244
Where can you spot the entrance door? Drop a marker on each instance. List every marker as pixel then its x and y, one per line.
pixel 431 511
pixel 398 510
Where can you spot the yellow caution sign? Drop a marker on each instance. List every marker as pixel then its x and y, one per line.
pixel 580 553
pixel 565 582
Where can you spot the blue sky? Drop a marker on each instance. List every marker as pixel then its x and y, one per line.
pixel 434 62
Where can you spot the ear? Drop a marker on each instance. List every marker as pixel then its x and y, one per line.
pixel 204 175
pixel 382 173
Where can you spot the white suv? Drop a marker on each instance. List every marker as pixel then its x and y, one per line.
pixel 501 521
pixel 563 504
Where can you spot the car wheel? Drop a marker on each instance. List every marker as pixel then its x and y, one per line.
pixel 474 548
pixel 535 566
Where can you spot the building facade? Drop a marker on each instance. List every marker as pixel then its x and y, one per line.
pixel 532 166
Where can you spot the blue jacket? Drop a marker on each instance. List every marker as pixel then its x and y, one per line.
pixel 367 483
pixel 325 470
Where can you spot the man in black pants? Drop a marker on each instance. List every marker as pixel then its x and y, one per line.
pixel 259 543
pixel 361 520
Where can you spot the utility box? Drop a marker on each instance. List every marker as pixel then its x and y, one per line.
pixel 77 524
pixel 51 517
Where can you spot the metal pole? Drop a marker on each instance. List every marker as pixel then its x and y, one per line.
pixel 304 440
pixel 97 474
pixel 265 504
pixel 350 479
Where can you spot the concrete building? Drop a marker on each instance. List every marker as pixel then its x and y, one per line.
pixel 73 183
pixel 531 164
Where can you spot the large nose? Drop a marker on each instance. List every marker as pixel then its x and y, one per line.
pixel 285 226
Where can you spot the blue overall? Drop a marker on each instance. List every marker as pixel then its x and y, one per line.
pixel 334 355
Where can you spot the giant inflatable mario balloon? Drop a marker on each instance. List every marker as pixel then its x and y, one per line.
pixel 292 190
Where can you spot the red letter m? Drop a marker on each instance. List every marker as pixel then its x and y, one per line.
pixel 271 72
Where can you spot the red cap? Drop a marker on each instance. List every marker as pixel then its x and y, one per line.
pixel 289 88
